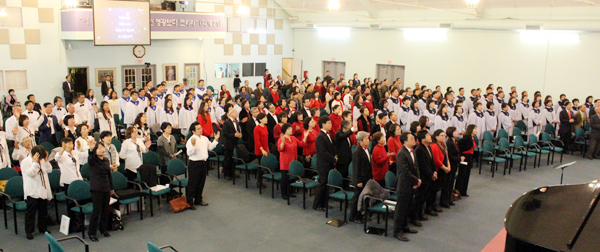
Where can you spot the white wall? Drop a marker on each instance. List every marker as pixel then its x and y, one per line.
pixel 469 59
pixel 85 54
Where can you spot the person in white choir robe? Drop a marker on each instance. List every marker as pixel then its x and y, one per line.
pixel 219 110
pixel 106 119
pixel 442 120
pixel 459 121
pixel 168 114
pixel 548 114
pixel 59 111
pixel 152 113
pixel 415 112
pixel 195 101
pixel 534 120
pixel 142 98
pixel 394 103
pixel 358 104
pixel 478 118
pixel 504 119
pixel 491 118
pixel 31 114
pixel 83 142
pixel 575 108
pixel 177 97
pixel 405 115
pixel 200 90
pixel 238 105
pixel 450 100
pixel 524 108
pixel 107 96
pixel 423 106
pixel 123 103
pixel 431 112
pixel 498 101
pixel 468 103
pixel 187 115
pixel 134 108
pixel 514 111
pixel 92 104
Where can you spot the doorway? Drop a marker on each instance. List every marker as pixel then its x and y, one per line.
pixel 291 67
pixel 79 78
pixel 138 75
pixel 335 68
pixel 390 72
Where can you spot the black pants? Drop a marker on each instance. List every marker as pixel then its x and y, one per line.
pixel 594 147
pixel 100 213
pixel 464 172
pixel 197 177
pixel 228 162
pixel 448 186
pixel 343 169
pixel 435 188
pixel 163 179
pixel 320 197
pixel 392 168
pixel 403 207
pixel 354 213
pixel 285 184
pixel 260 171
pixel 41 207
pixel 565 137
pixel 70 203
pixel 131 176
pixel 420 198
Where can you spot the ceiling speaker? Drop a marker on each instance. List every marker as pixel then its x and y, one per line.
pixel 310 26
pixel 531 27
pixel 375 26
pixel 446 25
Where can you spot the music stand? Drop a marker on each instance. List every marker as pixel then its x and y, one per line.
pixel 562 169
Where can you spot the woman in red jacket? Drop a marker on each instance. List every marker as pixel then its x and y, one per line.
pixel 336 119
pixel 261 142
pixel 394 145
pixel 380 159
pixel 298 125
pixel 282 119
pixel 311 148
pixel 281 106
pixel 205 121
pixel 440 159
pixel 369 104
pixel 288 152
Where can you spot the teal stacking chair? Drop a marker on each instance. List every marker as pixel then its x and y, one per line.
pixel 154 248
pixel 488 136
pixel 6 173
pixel 297 171
pixel 517 132
pixel 313 166
pixel 505 149
pixel 133 195
pixel 488 155
pixel 151 194
pixel 116 143
pixel 521 149
pixel 48 146
pixel 176 168
pixel 54 245
pixel 151 158
pixel 550 129
pixel 216 157
pixel 335 181
pixel 502 134
pixel 271 165
pixel 533 146
pixel 477 150
pixel 243 166
pixel 349 178
pixel 13 197
pixel 580 140
pixel 390 184
pixel 522 125
pixel 79 191
pixel 57 194
pixel 547 144
pixel 379 208
pixel 85 171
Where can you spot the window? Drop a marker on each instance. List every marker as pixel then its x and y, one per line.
pixel 247 69
pixel 146 75
pixel 15 79
pixel 259 69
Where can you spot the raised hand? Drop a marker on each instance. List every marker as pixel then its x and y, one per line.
pixel 15 130
pixel 194 141
pixel 36 157
pixel 217 135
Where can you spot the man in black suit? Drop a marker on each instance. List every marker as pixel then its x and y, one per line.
pixel 49 126
pixel 343 148
pixel 566 119
pixel 68 90
pixel 355 81
pixel 596 105
pixel 326 160
pixel 428 176
pixel 306 107
pixel 380 125
pixel 36 106
pixel 106 84
pixel 592 153
pixel 271 122
pixel 250 125
pixel 407 180
pixel 361 171
pixel 230 133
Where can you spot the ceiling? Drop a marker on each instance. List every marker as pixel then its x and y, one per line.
pixel 388 5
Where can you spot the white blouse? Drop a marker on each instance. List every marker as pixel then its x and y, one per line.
pixel 107 124
pixel 132 152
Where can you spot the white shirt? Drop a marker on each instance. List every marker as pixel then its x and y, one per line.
pixel 75 116
pixel 59 112
pixel 107 124
pixel 199 151
pixel 4 157
pixel 412 154
pixel 35 179
pixel 33 118
pixel 25 132
pixel 132 153
pixel 123 106
pixel 10 124
pixel 84 148
pixel 69 166
pixel 83 111
pixel 132 110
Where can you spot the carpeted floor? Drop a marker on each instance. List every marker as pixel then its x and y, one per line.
pixel 240 219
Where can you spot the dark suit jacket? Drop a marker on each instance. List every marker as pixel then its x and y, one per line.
pixel 453 154
pixel 408 172
pixel 228 139
pixel 355 82
pixel 46 131
pixel 425 160
pixel 270 126
pixel 343 148
pixel 592 111
pixel 66 91
pixel 105 87
pixel 377 128
pixel 595 125
pixel 565 125
pixel 465 143
pixel 325 153
pixel 37 107
pixel 250 125
pixel 361 166
pixel 305 114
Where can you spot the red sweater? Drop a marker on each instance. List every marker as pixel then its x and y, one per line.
pixel 289 152
pixel 336 123
pixel 298 130
pixel 277 132
pixel 222 92
pixel 394 146
pixel 472 149
pixel 207 128
pixel 369 106
pixel 310 148
pixel 261 139
pixel 438 156
pixel 280 109
pixel 380 162
pixel 317 123
pixel 275 98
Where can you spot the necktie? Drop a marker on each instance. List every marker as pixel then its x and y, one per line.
pixel 568 112
pixel 75 164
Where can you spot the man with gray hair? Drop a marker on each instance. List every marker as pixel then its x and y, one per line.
pixel 361 172
pixel 250 125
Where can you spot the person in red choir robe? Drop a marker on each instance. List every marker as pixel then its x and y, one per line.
pixel 394 145
pixel 369 104
pixel 316 114
pixel 205 121
pixel 281 106
pixel 288 152
pixel 380 159
pixel 311 148
pixel 282 118
pixel 298 125
pixel 261 142
pixel 336 119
